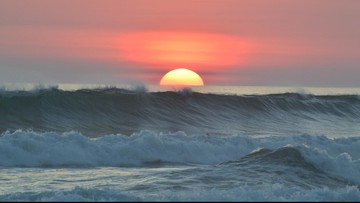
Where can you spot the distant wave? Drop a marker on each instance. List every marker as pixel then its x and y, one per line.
pixel 339 158
pixel 96 112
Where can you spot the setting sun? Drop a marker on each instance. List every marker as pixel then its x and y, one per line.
pixel 181 77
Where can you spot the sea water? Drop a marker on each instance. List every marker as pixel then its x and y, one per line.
pixel 135 143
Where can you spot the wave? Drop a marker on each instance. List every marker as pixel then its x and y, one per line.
pixel 78 194
pixel 110 110
pixel 287 156
pixel 266 192
pixel 340 158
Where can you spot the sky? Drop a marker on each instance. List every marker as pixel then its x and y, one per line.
pixel 228 42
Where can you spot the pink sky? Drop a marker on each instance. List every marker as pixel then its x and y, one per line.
pixel 228 42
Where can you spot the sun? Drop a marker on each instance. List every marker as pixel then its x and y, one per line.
pixel 181 77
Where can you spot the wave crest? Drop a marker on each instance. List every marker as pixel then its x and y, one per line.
pixel 105 111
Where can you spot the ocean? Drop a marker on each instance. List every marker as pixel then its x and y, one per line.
pixel 71 142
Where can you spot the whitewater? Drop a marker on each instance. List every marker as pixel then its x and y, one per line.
pixel 118 144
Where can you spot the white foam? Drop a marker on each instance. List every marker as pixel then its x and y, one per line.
pixel 341 165
pixel 37 149
pixel 339 157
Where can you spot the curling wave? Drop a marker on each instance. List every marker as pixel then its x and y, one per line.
pixel 96 112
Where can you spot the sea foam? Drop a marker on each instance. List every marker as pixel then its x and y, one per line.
pixel 339 157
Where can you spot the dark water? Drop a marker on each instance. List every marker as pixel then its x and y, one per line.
pixel 115 144
pixel 98 112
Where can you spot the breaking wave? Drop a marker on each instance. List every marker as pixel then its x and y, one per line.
pixel 339 158
pixel 96 112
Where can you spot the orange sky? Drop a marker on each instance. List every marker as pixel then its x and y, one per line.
pixel 228 42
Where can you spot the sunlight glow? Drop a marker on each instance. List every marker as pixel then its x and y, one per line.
pixel 181 48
